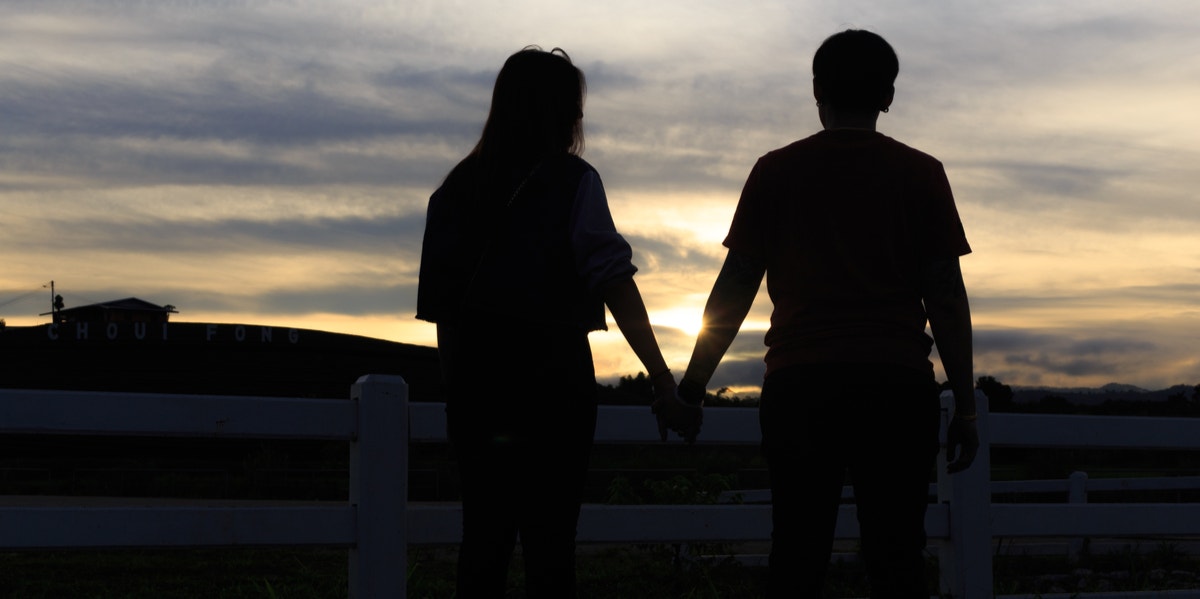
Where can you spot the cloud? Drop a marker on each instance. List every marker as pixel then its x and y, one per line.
pixel 383 235
pixel 135 133
pixel 225 95
pixel 671 254
pixel 745 373
pixel 1054 357
pixel 1040 180
pixel 246 156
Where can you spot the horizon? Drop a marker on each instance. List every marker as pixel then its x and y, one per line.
pixel 613 378
pixel 270 164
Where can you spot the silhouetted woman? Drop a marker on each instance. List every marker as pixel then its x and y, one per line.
pixel 519 259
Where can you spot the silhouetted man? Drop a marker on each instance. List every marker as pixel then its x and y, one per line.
pixel 859 239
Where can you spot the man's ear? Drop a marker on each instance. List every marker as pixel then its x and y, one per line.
pixel 818 93
pixel 887 102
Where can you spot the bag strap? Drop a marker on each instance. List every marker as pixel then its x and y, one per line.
pixel 496 233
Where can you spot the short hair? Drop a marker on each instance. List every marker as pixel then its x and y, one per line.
pixel 856 70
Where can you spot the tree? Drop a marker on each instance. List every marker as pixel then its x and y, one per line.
pixel 637 386
pixel 1000 396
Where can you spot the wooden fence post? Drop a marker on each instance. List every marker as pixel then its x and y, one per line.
pixel 1077 494
pixel 379 488
pixel 966 563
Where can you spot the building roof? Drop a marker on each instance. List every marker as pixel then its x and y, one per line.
pixel 132 304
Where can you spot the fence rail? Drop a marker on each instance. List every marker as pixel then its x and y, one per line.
pixel 378 523
pixel 371 524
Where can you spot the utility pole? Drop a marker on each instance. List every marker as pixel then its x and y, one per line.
pixel 56 304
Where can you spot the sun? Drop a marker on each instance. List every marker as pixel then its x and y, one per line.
pixel 688 320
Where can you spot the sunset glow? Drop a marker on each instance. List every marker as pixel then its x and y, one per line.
pixel 270 163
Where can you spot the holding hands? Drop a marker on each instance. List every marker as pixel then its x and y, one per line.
pixel 674 412
pixel 625 302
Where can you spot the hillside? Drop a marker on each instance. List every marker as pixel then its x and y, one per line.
pixel 1089 396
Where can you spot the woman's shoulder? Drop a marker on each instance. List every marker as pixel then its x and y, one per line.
pixel 466 169
pixel 571 162
pixel 569 169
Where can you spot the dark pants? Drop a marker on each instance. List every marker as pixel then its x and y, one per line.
pixel 879 423
pixel 522 415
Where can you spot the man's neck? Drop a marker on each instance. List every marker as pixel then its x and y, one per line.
pixel 842 120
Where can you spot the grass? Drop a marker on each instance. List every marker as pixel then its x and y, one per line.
pixel 604 572
pixel 298 573
pixel 321 574
pixel 291 573
pixel 1165 567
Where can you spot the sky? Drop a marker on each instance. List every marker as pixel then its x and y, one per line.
pixel 270 162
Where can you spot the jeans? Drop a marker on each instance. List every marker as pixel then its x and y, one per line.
pixel 521 413
pixel 877 423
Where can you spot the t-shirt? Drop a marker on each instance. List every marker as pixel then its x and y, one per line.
pixel 844 220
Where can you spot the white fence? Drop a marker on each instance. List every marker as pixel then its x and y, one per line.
pixel 371 524
pixel 378 523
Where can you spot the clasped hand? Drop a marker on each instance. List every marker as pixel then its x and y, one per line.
pixel 674 414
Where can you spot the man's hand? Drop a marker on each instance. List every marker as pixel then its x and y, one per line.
pixel 682 411
pixel 674 414
pixel 962 443
pixel 664 391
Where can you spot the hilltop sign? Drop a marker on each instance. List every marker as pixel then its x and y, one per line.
pixel 162 331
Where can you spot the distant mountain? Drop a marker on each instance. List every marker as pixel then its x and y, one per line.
pixel 1098 395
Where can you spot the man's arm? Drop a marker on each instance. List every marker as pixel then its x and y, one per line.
pixel 728 304
pixel 949 314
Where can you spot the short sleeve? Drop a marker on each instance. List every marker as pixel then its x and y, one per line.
pixel 601 254
pixel 747 231
pixel 944 234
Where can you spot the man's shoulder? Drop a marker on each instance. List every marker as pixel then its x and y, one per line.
pixel 808 144
pixel 910 152
pixel 824 141
pixel 784 159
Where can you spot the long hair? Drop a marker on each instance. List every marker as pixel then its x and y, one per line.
pixel 536 115
pixel 536 111
pixel 537 107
